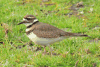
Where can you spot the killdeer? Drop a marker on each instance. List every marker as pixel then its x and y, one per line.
pixel 44 34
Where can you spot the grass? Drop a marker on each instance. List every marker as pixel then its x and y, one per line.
pixel 72 52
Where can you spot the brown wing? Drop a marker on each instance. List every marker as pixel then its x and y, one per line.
pixel 43 30
pixel 48 31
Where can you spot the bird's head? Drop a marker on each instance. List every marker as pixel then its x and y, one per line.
pixel 28 20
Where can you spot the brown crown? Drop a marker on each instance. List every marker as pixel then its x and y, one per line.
pixel 30 17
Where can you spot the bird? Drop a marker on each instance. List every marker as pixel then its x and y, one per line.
pixel 44 34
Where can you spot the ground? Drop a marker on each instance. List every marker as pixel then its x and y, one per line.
pixel 74 16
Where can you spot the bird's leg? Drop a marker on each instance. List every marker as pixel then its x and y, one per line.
pixel 44 50
pixel 50 49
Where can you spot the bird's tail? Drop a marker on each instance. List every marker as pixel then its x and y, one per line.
pixel 76 34
pixel 84 35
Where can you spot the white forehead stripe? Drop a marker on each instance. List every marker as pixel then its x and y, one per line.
pixel 30 17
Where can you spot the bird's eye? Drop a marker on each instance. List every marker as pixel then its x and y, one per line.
pixel 28 18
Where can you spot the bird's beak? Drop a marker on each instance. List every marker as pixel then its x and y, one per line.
pixel 21 22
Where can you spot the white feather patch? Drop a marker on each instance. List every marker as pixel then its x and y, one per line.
pixel 30 17
pixel 24 19
pixel 28 29
pixel 28 24
pixel 35 20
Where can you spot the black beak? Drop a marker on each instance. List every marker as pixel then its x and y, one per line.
pixel 21 22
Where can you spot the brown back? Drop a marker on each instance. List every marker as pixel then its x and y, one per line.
pixel 44 30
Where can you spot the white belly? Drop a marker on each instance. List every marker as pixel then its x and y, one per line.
pixel 43 41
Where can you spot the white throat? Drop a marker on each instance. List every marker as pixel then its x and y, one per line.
pixel 28 24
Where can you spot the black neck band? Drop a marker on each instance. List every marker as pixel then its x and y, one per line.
pixel 32 24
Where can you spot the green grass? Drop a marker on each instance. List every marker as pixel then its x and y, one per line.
pixel 72 52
